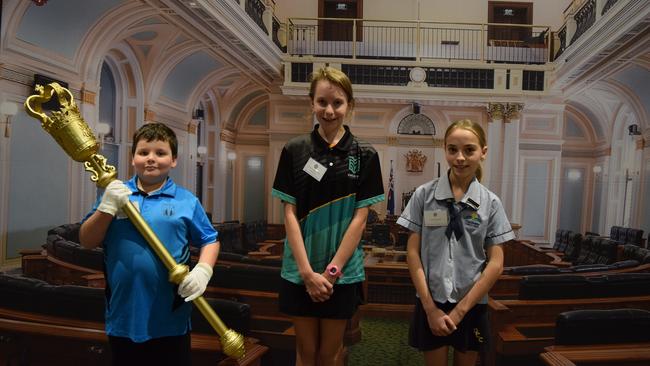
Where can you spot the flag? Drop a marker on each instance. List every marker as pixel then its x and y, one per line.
pixel 390 206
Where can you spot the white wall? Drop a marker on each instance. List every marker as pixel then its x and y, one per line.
pixel 545 12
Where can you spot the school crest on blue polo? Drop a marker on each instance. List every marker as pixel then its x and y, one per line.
pixel 325 208
pixel 140 297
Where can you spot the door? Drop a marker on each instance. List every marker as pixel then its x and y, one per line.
pixel 509 13
pixel 333 30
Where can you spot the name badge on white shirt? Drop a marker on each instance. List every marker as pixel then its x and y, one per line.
pixel 435 218
pixel 315 169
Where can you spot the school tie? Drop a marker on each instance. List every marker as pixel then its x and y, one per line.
pixel 455 220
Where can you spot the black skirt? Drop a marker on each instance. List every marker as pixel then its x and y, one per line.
pixel 471 334
pixel 295 301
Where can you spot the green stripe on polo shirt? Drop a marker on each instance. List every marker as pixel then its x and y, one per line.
pixel 370 201
pixel 283 196
pixel 322 230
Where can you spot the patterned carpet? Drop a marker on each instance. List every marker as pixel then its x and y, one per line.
pixel 384 342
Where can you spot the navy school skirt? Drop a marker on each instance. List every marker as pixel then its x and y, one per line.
pixel 295 301
pixel 471 334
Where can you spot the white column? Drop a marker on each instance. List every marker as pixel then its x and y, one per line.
pixel 5 169
pixel 221 165
pixel 635 188
pixel 615 187
pixel 192 145
pixel 602 194
pixel 644 211
pixel 492 171
pixel 510 160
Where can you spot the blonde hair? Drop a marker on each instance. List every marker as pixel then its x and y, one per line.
pixel 334 76
pixel 477 130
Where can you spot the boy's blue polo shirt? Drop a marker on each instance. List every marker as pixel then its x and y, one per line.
pixel 140 298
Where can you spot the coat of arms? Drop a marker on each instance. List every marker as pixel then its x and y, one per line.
pixel 415 161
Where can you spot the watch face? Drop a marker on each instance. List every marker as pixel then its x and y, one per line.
pixel 418 74
pixel 333 270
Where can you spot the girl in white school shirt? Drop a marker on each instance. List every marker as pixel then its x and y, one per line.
pixel 454 253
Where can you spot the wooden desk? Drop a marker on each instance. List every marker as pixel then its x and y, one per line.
pixel 41 338
pixel 507 286
pixel 525 338
pixel 625 354
pixel 388 287
pixel 511 319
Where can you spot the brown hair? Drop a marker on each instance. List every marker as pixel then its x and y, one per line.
pixel 477 130
pixel 155 132
pixel 334 76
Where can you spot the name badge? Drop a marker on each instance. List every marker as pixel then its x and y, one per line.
pixel 435 218
pixel 315 169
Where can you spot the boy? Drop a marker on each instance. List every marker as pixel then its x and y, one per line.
pixel 145 319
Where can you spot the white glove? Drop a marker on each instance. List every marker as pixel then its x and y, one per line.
pixel 195 282
pixel 115 196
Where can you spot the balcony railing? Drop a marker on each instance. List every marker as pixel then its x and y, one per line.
pixel 562 36
pixel 584 13
pixel 418 40
pixel 275 34
pixel 262 13
pixel 608 6
pixel 255 10
pixel 585 18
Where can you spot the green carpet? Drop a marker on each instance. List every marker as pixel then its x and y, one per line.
pixel 384 342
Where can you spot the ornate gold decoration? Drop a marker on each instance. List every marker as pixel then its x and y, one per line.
pixel 504 111
pixel 75 137
pixel 415 161
pixel 512 110
pixel 495 111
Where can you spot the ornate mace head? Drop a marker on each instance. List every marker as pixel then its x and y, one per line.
pixel 70 130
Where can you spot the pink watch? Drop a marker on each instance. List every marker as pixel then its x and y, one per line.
pixel 333 270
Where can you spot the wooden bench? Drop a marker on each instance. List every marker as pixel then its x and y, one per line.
pixel 521 328
pixel 268 325
pixel 507 286
pixel 521 253
pixel 388 288
pixel 39 340
pixel 633 354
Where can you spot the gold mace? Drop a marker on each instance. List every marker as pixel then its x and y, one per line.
pixel 75 137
